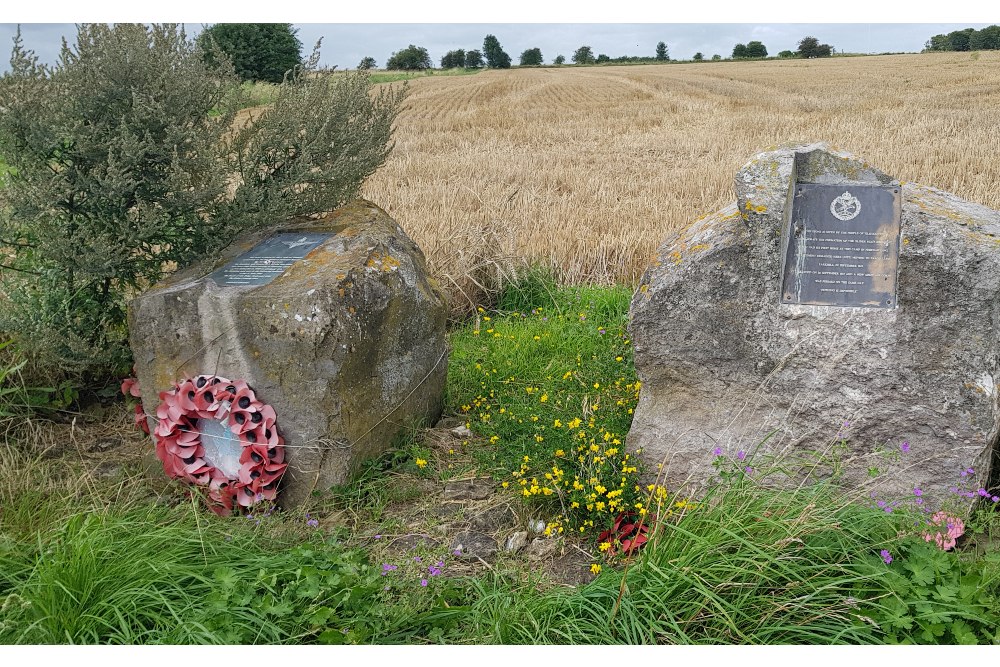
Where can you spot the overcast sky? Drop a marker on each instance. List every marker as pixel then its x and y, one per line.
pixel 344 45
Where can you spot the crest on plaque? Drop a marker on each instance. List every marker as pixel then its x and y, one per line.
pixel 845 207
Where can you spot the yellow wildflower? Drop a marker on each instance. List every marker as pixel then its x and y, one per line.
pixel 421 463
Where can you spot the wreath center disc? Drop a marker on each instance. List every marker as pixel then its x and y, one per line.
pixel 222 446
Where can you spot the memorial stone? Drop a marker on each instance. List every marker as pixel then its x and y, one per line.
pixel 833 311
pixel 332 321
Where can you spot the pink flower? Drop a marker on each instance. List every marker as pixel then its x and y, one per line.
pixel 948 530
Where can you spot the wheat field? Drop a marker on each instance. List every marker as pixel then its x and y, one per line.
pixel 587 169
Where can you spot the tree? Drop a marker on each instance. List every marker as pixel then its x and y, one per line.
pixel 410 58
pixel 756 50
pixel 699 56
pixel 603 58
pixel 809 47
pixel 740 51
pixel 583 56
pixel 474 59
pixel 786 54
pixel 987 39
pixel 258 51
pixel 961 40
pixel 367 63
pixel 716 57
pixel 531 57
pixel 661 51
pixel 496 57
pixel 453 59
pixel 560 59
pixel 125 165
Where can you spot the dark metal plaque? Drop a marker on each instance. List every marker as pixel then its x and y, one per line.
pixel 843 246
pixel 268 259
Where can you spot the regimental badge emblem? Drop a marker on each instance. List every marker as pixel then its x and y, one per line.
pixel 845 207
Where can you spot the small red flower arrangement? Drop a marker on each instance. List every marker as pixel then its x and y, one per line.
pixel 179 442
pixel 629 532
pixel 130 387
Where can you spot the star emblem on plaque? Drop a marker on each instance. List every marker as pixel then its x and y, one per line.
pixel 845 207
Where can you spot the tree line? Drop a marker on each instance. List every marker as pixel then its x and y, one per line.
pixel 970 39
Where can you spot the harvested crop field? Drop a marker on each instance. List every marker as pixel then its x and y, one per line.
pixel 588 168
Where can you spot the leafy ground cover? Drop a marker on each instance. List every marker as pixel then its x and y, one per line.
pixel 88 558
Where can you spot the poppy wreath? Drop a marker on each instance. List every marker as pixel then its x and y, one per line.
pixel 179 447
pixel 130 387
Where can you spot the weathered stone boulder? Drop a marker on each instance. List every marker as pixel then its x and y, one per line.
pixel 346 343
pixel 724 363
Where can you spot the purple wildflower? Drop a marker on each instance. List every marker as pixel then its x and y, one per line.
pixel 434 571
pixel 882 503
pixel 741 455
pixel 983 492
pixel 717 451
pixel 886 556
pixel 312 523
pixel 377 537
pixel 457 552
pixel 905 447
pixel 748 470
pixel 601 331
pixel 995 499
pixel 423 582
pixel 416 559
pixel 386 567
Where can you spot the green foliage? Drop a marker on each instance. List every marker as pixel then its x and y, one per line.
pixel 740 51
pixel 716 57
pixel 968 39
pixel 530 57
pixel 698 56
pixel 661 51
pixel 122 155
pixel 474 59
pixel 496 57
pixel 603 58
pixel 756 50
pixel 367 63
pixel 411 58
pixel 257 51
pixel 934 597
pixel 786 54
pixel 547 378
pixel 584 56
pixel 560 59
pixel 809 47
pixel 452 59
pixel 116 160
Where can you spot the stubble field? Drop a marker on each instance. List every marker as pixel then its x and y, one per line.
pixel 587 169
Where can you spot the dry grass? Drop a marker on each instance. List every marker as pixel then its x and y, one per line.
pixel 589 168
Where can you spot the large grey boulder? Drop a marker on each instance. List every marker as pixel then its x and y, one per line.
pixel 724 364
pixel 348 344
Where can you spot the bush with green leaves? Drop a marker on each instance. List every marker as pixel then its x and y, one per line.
pixel 453 59
pixel 474 59
pixel 367 63
pixel 258 51
pixel 531 57
pixel 584 56
pixel 809 47
pixel 124 164
pixel 410 58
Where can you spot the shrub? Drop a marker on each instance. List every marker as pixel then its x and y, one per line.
pixel 452 59
pixel 258 51
pixel 122 154
pixel 531 57
pixel 583 56
pixel 412 57
pixel 473 59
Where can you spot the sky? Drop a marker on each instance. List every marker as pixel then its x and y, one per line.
pixel 354 33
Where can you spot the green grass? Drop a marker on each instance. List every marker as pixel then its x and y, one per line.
pixel 404 75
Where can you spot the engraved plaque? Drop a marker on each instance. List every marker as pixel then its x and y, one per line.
pixel 268 260
pixel 843 246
